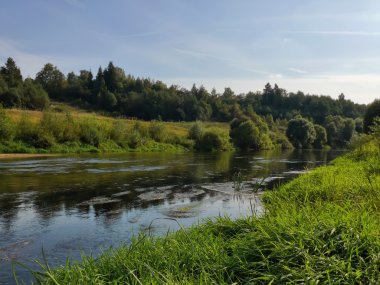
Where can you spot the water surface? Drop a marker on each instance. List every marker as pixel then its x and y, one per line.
pixel 80 204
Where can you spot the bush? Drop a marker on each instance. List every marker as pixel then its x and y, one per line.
pixel 281 141
pixel 135 139
pixel 90 133
pixel 301 132
pixel 118 132
pixel 196 131
pixel 320 136
pixel 7 130
pixel 266 142
pixel 245 134
pixel 158 132
pixel 211 141
pixel 45 139
pixel 35 97
pixel 27 131
pixel 372 112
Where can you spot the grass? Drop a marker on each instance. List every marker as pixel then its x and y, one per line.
pixel 66 129
pixel 321 228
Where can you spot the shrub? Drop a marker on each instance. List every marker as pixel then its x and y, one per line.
pixel 301 132
pixel 211 141
pixel 134 139
pixel 245 134
pixel 158 132
pixel 320 136
pixel 27 131
pixel 90 133
pixel 118 132
pixel 372 112
pixel 7 130
pixel 196 131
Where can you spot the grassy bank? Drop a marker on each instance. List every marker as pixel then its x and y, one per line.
pixel 322 227
pixel 64 129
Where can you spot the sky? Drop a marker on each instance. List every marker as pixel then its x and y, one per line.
pixel 316 46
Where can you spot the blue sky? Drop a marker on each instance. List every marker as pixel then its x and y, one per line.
pixel 319 47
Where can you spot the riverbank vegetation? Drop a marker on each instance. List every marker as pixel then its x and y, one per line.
pixel 322 227
pixel 272 118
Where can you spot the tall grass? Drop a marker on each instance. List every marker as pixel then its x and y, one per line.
pixel 321 228
pixel 65 132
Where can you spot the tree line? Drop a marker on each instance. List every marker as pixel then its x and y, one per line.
pixel 112 91
pixel 259 120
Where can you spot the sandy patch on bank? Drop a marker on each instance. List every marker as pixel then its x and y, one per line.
pixel 23 155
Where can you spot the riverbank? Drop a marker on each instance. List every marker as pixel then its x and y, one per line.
pixel 63 129
pixel 320 227
pixel 23 155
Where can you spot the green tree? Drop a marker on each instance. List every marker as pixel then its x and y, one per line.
pixel 11 73
pixel 348 129
pixel 34 96
pixel 301 133
pixel 52 80
pixel 245 134
pixel 320 136
pixel 372 112
pixel 113 77
pixel 11 97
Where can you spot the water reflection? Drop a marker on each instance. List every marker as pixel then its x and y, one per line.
pixel 69 204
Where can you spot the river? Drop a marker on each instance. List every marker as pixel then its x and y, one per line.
pixel 70 205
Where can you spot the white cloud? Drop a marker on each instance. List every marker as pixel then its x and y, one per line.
pixel 296 70
pixel 276 76
pixel 337 33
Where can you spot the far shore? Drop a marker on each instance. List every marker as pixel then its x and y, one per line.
pixel 23 155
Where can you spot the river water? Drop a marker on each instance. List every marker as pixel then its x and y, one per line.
pixel 70 205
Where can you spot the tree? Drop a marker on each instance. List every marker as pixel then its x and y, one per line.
pixel 11 73
pixel 11 97
pixel 113 77
pixel 372 112
pixel 348 129
pixel 245 134
pixel 52 80
pixel 320 136
pixel 301 133
pixel 35 97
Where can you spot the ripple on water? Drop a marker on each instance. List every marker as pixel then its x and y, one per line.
pixel 128 169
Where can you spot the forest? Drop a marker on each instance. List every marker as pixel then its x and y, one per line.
pixel 264 119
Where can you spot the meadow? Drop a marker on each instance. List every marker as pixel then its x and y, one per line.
pixel 66 129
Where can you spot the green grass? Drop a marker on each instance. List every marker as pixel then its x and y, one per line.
pixel 321 228
pixel 64 129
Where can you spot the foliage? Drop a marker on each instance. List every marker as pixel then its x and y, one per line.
pixel 158 132
pixel 339 131
pixel 301 132
pixel 196 131
pixel 372 112
pixel 117 93
pixel 245 134
pixel 113 92
pixel 7 130
pixel 320 136
pixel 212 140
